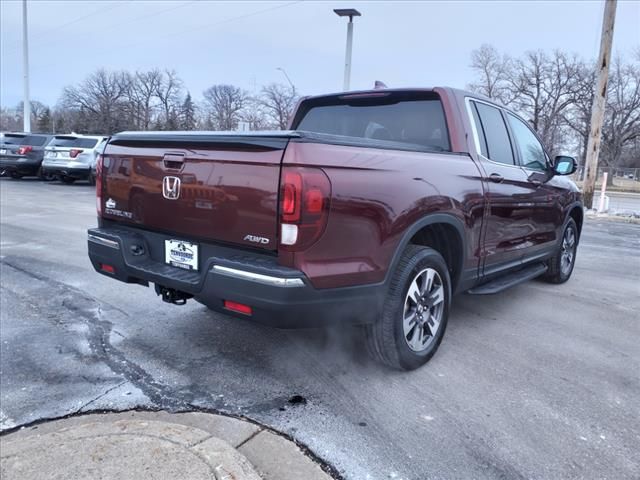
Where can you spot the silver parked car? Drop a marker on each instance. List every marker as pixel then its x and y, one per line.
pixel 73 157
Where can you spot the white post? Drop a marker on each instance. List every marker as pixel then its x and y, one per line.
pixel 347 56
pixel 603 190
pixel 26 112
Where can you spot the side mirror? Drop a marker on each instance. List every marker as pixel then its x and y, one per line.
pixel 563 165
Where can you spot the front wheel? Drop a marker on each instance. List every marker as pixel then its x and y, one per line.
pixel 562 263
pixel 415 312
pixel 67 180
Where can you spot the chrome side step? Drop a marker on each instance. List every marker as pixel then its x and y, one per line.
pixel 509 280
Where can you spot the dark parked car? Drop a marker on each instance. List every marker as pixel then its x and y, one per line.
pixel 21 154
pixel 389 202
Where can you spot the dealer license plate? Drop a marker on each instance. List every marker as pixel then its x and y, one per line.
pixel 181 254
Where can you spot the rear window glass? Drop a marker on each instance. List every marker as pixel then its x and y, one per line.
pixel 414 122
pixel 12 139
pixel 34 140
pixel 73 142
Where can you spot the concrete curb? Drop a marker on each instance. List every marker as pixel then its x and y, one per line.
pixel 133 445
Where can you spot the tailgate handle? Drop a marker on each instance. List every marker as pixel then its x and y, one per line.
pixel 174 161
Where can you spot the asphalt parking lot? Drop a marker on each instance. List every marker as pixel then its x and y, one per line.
pixel 538 382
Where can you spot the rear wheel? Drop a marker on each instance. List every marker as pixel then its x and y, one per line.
pixel 415 312
pixel 47 177
pixel 562 263
pixel 67 180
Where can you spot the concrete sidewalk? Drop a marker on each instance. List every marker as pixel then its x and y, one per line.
pixel 153 445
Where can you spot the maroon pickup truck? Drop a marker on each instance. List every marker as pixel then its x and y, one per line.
pixel 374 208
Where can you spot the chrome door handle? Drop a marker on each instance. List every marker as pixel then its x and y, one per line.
pixel 496 178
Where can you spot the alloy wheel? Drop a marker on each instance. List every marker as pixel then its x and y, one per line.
pixel 423 309
pixel 568 252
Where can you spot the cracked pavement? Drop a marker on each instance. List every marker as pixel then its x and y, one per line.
pixel 538 382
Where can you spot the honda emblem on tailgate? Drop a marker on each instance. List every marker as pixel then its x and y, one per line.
pixel 171 188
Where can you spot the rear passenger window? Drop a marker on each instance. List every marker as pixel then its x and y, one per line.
pixel 495 132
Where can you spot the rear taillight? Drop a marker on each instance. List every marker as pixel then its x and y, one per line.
pixel 74 152
pixel 304 206
pixel 99 167
pixel 24 150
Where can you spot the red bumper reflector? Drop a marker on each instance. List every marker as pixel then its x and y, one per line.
pixel 107 268
pixel 237 307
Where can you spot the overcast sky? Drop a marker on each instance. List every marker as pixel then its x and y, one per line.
pixel 242 43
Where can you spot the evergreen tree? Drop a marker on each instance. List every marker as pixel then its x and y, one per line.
pixel 44 122
pixel 188 114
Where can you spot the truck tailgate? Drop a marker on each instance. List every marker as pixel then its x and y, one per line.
pixel 208 186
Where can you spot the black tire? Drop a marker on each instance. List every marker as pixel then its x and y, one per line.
pixel 557 272
pixel 67 180
pixel 15 175
pixel 47 177
pixel 386 339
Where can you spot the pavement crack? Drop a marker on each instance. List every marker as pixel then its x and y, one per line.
pixel 249 438
pixel 106 392
pixel 202 440
pixel 92 313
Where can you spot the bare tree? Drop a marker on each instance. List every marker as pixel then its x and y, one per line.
pixel 225 104
pixel 254 113
pixel 578 115
pixel 493 72
pixel 169 92
pixel 622 119
pixel 101 99
pixel 542 88
pixel 143 95
pixel 278 101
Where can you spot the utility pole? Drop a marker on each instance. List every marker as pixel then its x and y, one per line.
pixel 348 12
pixel 599 100
pixel 26 112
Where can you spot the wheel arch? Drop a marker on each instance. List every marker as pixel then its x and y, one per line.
pixel 577 213
pixel 443 232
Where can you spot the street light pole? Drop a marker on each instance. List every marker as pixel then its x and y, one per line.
pixel 26 112
pixel 284 72
pixel 348 12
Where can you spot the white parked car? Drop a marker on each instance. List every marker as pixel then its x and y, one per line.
pixel 73 157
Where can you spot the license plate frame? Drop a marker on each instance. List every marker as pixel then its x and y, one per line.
pixel 181 254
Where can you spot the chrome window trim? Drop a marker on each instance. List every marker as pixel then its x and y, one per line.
pixel 103 241
pixel 476 135
pixel 258 277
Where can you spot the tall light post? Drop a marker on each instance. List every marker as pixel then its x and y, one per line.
pixel 284 72
pixel 348 12
pixel 26 112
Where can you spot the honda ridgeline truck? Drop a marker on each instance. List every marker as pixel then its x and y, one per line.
pixel 375 208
